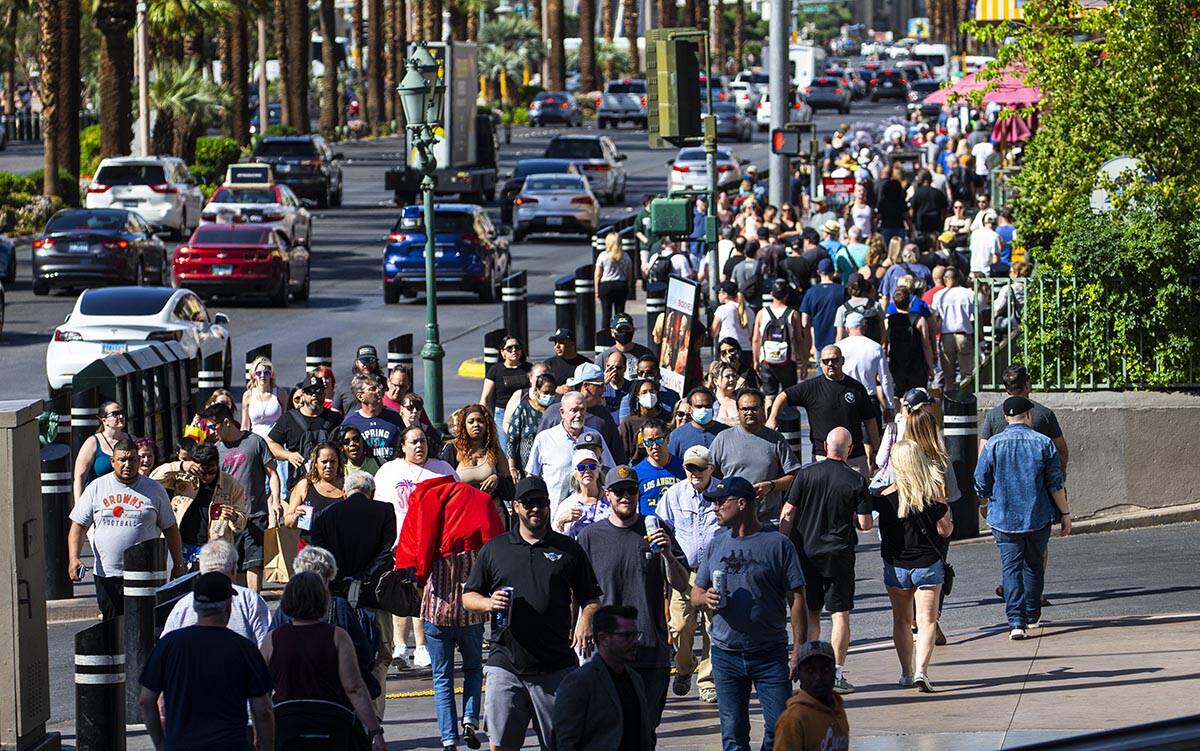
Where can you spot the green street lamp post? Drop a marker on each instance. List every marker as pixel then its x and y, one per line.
pixel 422 92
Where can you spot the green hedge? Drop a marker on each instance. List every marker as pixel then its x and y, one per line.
pixel 213 155
pixel 89 150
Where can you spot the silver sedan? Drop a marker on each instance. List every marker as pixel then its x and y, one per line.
pixel 689 169
pixel 556 203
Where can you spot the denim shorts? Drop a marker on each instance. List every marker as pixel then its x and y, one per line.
pixel 913 578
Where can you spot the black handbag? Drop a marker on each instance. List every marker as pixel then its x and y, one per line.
pixel 935 541
pixel 398 594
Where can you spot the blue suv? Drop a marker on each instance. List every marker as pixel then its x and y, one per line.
pixel 470 254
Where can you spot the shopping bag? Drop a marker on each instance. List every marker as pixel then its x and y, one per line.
pixel 279 550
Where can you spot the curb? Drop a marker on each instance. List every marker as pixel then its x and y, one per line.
pixel 472 367
pixel 1133 519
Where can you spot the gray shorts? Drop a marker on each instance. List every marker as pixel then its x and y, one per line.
pixel 512 700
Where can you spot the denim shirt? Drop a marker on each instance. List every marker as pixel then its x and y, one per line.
pixel 1018 470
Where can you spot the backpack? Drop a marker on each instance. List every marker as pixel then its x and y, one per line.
pixel 777 338
pixel 871 315
pixel 752 290
pixel 918 286
pixel 904 342
pixel 660 269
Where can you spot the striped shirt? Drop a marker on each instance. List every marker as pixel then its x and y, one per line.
pixel 441 603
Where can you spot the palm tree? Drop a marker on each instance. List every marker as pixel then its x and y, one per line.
pixel 587 45
pixel 51 49
pixel 509 45
pixel 283 59
pixel 71 102
pixel 716 28
pixel 115 19
pixel 608 28
pixel 499 65
pixel 375 38
pixel 298 36
pixel 630 8
pixel 329 77
pixel 360 76
pixel 186 99
pixel 610 58
pixel 739 34
pixel 237 75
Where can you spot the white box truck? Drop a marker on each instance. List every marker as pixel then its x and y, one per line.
pixel 804 61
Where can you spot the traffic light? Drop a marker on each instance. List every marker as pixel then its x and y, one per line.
pixel 672 86
pixel 786 141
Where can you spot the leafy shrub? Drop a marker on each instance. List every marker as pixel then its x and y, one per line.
pixel 70 185
pixel 282 130
pixel 213 155
pixel 516 116
pixel 89 150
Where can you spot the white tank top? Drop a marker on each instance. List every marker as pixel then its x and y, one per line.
pixel 264 412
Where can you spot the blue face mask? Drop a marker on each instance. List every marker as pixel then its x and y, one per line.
pixel 545 399
pixel 702 415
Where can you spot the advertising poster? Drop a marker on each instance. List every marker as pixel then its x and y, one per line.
pixel 679 356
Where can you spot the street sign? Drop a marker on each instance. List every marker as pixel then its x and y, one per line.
pixel 838 190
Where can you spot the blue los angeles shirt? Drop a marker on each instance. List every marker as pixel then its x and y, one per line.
pixel 653 481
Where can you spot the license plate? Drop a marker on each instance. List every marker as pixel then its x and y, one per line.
pixel 130 204
pixel 283 168
pixel 554 221
pixel 223 270
pixel 254 218
pixel 113 348
pixel 79 247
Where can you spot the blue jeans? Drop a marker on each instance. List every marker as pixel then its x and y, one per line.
pixel 441 641
pixel 734 673
pixel 501 435
pixel 1023 570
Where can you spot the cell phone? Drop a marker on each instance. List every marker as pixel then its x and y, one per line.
pixel 81 572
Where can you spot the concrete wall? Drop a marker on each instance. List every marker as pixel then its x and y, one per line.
pixel 1129 451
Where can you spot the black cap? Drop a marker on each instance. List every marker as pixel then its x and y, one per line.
pixel 530 488
pixel 563 335
pixel 621 321
pixel 621 476
pixel 589 439
pixel 212 587
pixel 763 233
pixel 367 352
pixel 780 289
pixel 1016 405
pixel 313 383
pixel 736 487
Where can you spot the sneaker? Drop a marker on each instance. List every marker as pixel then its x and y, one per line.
pixel 843 686
pixel 469 734
pixel 1000 592
pixel 1017 634
pixel 400 652
pixel 681 684
pixel 906 681
pixel 939 638
pixel 708 695
pixel 1036 623
pixel 921 681
pixel 421 658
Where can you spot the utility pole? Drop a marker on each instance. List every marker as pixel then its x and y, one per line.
pixel 777 85
pixel 262 75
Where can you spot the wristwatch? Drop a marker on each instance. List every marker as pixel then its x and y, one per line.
pixel 377 731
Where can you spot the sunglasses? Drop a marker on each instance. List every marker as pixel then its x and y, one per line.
pixel 728 351
pixel 513 348
pixel 718 502
pixel 262 373
pixel 624 492
pixel 351 439
pixel 117 413
pixel 694 468
pixel 648 442
pixel 830 360
pixel 587 467
pixel 628 635
pixel 534 502
pixel 646 374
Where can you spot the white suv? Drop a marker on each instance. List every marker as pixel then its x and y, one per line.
pixel 160 188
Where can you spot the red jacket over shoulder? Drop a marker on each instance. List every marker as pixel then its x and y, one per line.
pixel 444 517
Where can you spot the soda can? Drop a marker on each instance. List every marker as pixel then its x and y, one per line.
pixel 718 582
pixel 652 526
pixel 501 618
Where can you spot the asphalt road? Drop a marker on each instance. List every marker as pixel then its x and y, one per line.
pixel 347 299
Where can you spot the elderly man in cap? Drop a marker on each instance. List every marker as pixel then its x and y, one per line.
pixel 207 672
pixel 1020 478
pixel 747 580
pixel 691 517
pixel 814 719
pixel 366 362
pixel 831 237
pixel 550 457
pixel 566 358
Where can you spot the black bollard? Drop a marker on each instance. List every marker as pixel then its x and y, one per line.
pixel 564 303
pixel 60 404
pixel 145 571
pixel 585 308
pixel 604 340
pixel 656 305
pixel 961 427
pixel 400 351
pixel 516 309
pixel 492 341
pixel 263 350
pixel 100 687
pixel 318 352
pixel 56 504
pixel 792 430
pixel 168 595
pixel 85 404
pixel 210 378
pixel 598 242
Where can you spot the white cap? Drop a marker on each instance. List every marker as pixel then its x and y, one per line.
pixel 697 455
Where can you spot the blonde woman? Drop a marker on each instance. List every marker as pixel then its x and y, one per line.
pixel 731 319
pixel 613 278
pixel 263 402
pixel 913 522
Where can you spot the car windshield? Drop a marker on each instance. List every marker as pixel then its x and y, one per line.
pixel 525 169
pixel 574 148
pixel 552 97
pixel 131 174
pixel 826 83
pixel 626 87
pixel 244 195
pixel 69 221
pixel 444 222
pixel 124 301
pixel 755 78
pixel 697 155
pixel 537 184
pixel 286 148
pixel 226 236
pixel 926 85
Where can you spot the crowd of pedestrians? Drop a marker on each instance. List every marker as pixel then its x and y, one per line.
pixel 587 521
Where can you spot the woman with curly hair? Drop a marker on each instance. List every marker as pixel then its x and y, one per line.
pixel 319 489
pixel 475 452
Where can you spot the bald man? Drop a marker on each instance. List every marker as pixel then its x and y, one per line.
pixel 826 501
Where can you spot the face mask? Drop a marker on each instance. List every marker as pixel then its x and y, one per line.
pixel 648 401
pixel 702 415
pixel 623 337
pixel 545 399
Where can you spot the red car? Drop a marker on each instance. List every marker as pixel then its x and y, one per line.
pixel 236 259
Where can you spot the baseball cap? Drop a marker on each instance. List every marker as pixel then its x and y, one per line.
pixel 781 289
pixel 530 488
pixel 947 237
pixel 582 455
pixel 620 476
pixel 366 352
pixel 589 439
pixel 811 649
pixel 313 383
pixel 1016 405
pixel 697 455
pixel 825 266
pixel 588 372
pixel 914 398
pixel 562 335
pixel 212 587
pixel 731 486
pixel 621 321
pixel 855 321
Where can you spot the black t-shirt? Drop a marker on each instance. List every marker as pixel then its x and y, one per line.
pixel 508 380
pixel 295 431
pixel 798 271
pixel 193 527
pixel 206 674
pixel 827 495
pixel 908 542
pixel 928 207
pixel 1044 422
pixel 631 711
pixel 733 260
pixel 890 208
pixel 564 367
pixel 546 577
pixel 630 574
pixel 832 404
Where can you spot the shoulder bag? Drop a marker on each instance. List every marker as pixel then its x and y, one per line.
pixel 936 541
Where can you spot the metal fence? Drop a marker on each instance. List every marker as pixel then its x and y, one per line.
pixel 26 127
pixel 1071 339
